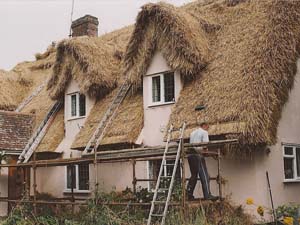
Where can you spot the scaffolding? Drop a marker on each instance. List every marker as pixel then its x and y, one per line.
pixel 125 155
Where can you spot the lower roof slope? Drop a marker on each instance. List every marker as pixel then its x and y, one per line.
pixel 15 130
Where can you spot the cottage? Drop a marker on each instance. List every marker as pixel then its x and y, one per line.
pixel 239 60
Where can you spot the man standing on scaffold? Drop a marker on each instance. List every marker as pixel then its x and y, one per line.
pixel 198 165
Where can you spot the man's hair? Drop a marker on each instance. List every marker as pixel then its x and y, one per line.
pixel 203 124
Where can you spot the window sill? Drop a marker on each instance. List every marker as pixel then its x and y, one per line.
pixel 291 181
pixel 160 104
pixel 67 191
pixel 76 118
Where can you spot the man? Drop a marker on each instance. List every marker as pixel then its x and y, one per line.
pixel 198 165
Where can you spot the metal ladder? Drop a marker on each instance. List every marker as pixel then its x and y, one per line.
pixel 40 132
pixel 95 140
pixel 161 180
pixel 31 96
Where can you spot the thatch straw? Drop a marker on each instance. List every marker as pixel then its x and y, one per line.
pixel 91 61
pixel 54 135
pixel 173 32
pixel 251 70
pixel 125 127
pixel 22 78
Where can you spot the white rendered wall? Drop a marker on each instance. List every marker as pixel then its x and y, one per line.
pixel 156 118
pixel 52 180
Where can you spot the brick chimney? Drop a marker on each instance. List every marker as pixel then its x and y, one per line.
pixel 87 25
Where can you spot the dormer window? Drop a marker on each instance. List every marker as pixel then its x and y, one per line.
pixel 78 105
pixel 163 88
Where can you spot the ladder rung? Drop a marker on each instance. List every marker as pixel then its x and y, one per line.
pixel 157 215
pixel 169 164
pixel 163 189
pixel 159 202
pixel 166 176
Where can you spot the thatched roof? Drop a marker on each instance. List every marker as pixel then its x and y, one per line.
pixel 31 76
pixel 174 32
pixel 54 135
pixel 237 58
pixel 94 63
pixel 125 127
pixel 24 77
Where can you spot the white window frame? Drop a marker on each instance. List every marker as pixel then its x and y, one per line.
pixel 293 156
pixel 77 94
pixel 165 174
pixel 162 89
pixel 75 190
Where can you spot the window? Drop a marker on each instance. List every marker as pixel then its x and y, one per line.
pixel 163 88
pixel 78 106
pixel 291 160
pixel 81 177
pixel 153 172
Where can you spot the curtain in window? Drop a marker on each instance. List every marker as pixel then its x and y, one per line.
pixel 169 87
pixel 69 177
pixel 83 173
pixel 73 105
pixel 81 105
pixel 156 89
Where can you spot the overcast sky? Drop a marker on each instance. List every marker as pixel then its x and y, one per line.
pixel 29 26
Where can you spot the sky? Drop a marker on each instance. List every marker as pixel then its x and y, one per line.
pixel 30 26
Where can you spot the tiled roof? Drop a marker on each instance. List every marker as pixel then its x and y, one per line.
pixel 15 130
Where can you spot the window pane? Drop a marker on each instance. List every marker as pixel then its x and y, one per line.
pixel 81 105
pixel 73 105
pixel 169 87
pixel 298 161
pixel 288 150
pixel 83 173
pixel 154 167
pixel 156 89
pixel 69 177
pixel 289 168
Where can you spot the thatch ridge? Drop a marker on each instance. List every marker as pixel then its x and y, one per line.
pixel 93 62
pixel 172 31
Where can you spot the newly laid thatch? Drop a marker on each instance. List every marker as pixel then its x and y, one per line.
pixel 125 127
pixel 39 106
pixel 91 61
pixel 20 82
pixel 251 68
pixel 54 135
pixel 172 31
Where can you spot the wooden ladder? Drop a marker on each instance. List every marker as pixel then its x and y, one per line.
pixel 40 132
pixel 106 119
pixel 158 213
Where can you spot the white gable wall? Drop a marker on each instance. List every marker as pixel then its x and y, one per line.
pixel 52 180
pixel 156 118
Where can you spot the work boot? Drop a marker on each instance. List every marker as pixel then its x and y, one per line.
pixel 190 198
pixel 212 198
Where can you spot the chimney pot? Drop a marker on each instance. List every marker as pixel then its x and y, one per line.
pixel 86 25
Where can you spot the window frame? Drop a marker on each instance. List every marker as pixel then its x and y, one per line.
pixel 162 89
pixel 76 189
pixel 296 167
pixel 77 106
